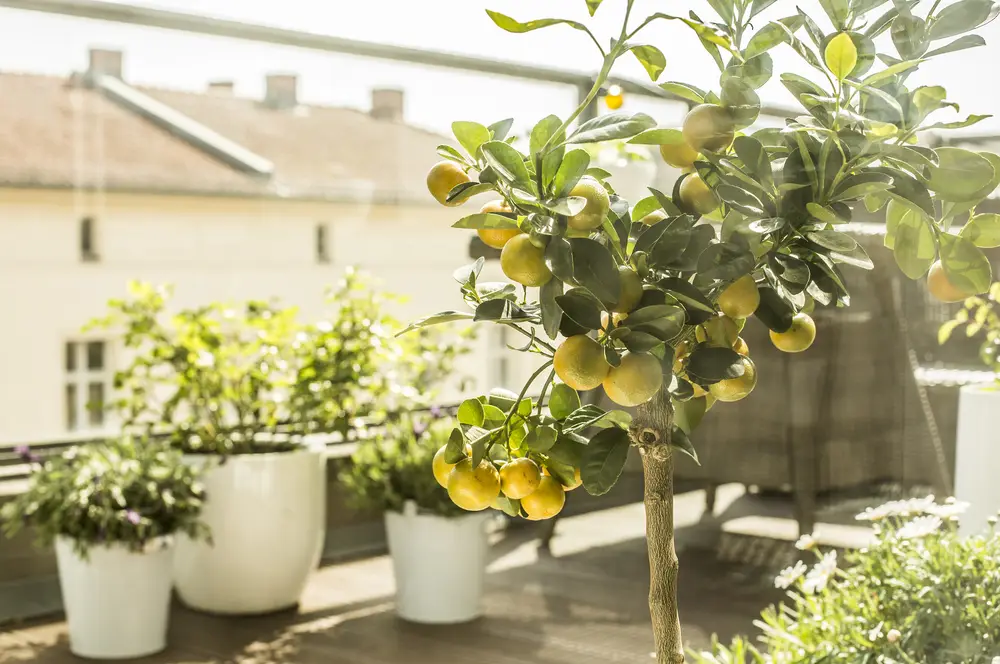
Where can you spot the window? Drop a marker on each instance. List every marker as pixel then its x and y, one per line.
pixel 88 242
pixel 322 244
pixel 87 384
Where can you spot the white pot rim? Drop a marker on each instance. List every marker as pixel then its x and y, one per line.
pixel 983 388
pixel 417 512
pixel 151 546
pixel 304 448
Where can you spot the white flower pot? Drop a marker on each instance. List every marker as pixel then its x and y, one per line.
pixel 439 564
pixel 267 513
pixel 977 456
pixel 117 602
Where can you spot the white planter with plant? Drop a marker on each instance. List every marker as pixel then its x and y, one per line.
pixel 977 445
pixel 113 511
pixel 439 552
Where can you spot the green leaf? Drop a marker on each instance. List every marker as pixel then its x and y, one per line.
pixel 593 416
pixel 824 214
pixel 551 313
pixel 603 460
pixel 684 91
pixel 510 25
pixel 755 72
pixel 437 319
pixel 714 363
pixel 651 58
pixel 594 268
pixel 465 190
pixel 454 451
pixel 541 439
pixel 563 401
pixel 452 154
pixel 687 294
pixel 725 261
pixel 861 184
pixel 611 126
pixel 838 11
pixel 543 131
pixel 841 55
pixel 960 44
pixel 688 414
pixel 724 8
pixel 658 136
pixel 471 135
pixel 559 258
pixel 773 311
pixel 889 72
pixel 680 441
pixel 507 162
pixel 467 274
pixel 661 321
pixel 960 174
pixel 771 35
pixel 581 308
pixel 499 130
pixel 965 264
pixel 833 240
pixel 961 17
pixel 741 101
pixel 741 200
pixel 754 157
pixel 471 413
pixel 572 168
pixel 909 35
pixel 983 230
pixel 486 220
pixel 592 6
pixel 967 122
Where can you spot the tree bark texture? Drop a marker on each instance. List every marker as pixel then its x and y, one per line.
pixel 651 434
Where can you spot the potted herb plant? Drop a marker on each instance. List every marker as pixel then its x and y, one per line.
pixel 241 391
pixel 113 511
pixel 438 550
pixel 975 446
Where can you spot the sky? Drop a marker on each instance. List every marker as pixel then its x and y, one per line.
pixel 43 43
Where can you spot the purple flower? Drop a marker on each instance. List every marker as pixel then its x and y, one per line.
pixel 26 454
pixel 133 517
pixel 436 411
pixel 419 428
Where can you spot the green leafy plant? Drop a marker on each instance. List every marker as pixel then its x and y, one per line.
pixel 919 593
pixel 123 492
pixel 390 469
pixel 979 316
pixel 647 298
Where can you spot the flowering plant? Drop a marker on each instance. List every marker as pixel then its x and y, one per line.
pixel 918 594
pixel 979 317
pixel 127 492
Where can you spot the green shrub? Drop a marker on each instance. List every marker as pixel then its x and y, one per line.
pixel 120 492
pixel 920 594
pixel 394 467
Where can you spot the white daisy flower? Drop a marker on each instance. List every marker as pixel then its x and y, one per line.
pixel 949 509
pixel 790 575
pixel 922 526
pixel 806 543
pixel 894 635
pixel 819 576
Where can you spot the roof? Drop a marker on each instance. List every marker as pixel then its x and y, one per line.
pixel 57 132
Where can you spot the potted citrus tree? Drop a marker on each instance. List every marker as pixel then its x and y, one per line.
pixel 647 298
pixel 113 511
pixel 239 390
pixel 975 455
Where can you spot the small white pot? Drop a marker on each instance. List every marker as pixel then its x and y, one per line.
pixel 117 602
pixel 439 564
pixel 977 456
pixel 267 513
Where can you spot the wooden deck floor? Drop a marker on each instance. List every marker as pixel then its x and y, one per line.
pixel 584 602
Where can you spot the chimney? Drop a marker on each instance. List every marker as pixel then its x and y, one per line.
pixel 105 62
pixel 221 88
pixel 387 104
pixel 282 91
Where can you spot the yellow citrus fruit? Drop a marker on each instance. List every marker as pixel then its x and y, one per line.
pixel 697 195
pixel 614 320
pixel 631 290
pixel 614 98
pixel 718 331
pixel 519 477
pixel 496 237
pixel 635 380
pixel 708 127
pixel 596 209
pixel 654 217
pixel 734 389
pixel 546 501
pixel 580 363
pixel 523 262
pixel 741 346
pixel 740 299
pixel 473 489
pixel 441 467
pixel 798 337
pixel 941 288
pixel 679 155
pixel 442 178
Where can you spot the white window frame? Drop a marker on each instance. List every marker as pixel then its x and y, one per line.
pixel 82 377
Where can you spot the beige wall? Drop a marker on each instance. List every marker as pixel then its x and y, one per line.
pixel 211 249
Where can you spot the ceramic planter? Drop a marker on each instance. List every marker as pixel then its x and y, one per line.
pixel 439 564
pixel 117 602
pixel 977 455
pixel 267 514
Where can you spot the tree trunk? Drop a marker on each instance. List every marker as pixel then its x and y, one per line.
pixel 651 434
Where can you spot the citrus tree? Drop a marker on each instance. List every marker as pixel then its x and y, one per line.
pixel 647 298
